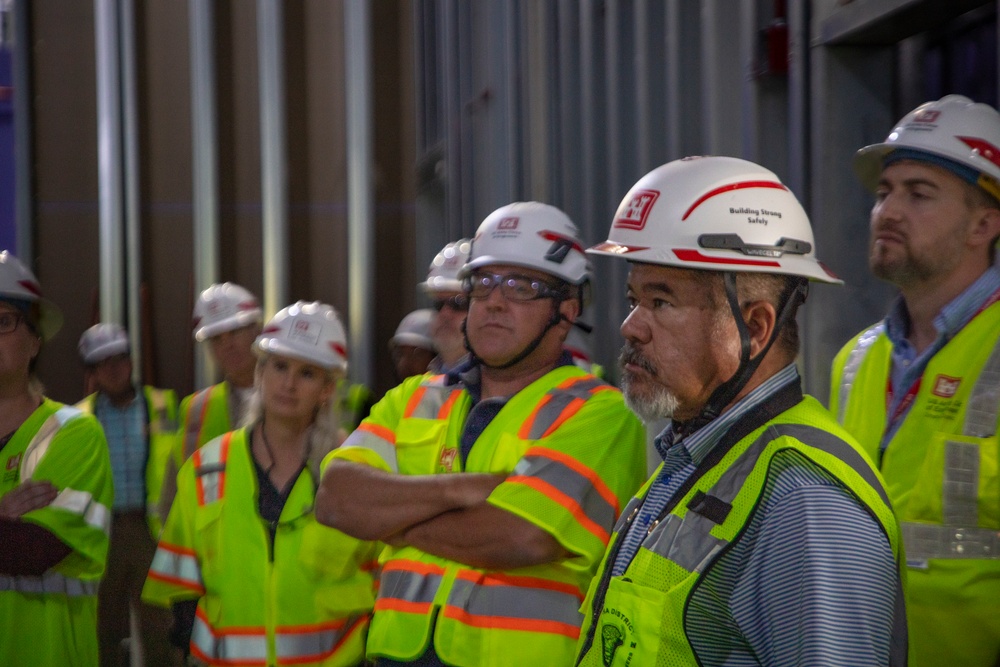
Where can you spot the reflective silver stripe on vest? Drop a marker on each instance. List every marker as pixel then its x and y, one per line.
pixel 524 602
pixel 434 397
pixel 211 471
pixel 687 541
pixel 296 646
pixel 409 586
pixel 924 541
pixel 49 583
pixel 39 445
pixel 362 437
pixel 577 487
pixel 180 567
pixel 82 503
pixel 984 402
pixel 960 486
pixel 557 401
pixel 242 647
pixel 162 423
pixel 854 359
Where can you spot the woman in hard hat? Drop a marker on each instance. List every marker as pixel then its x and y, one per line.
pixel 272 585
pixel 55 494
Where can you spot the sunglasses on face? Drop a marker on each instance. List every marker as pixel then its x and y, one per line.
pixel 459 303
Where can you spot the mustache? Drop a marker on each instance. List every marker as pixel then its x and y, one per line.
pixel 630 355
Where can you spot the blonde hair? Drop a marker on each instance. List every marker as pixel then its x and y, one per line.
pixel 324 434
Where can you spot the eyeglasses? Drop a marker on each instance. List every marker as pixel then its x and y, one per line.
pixel 9 321
pixel 514 287
pixel 459 303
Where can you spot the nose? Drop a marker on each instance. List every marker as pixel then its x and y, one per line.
pixel 495 299
pixel 886 207
pixel 635 329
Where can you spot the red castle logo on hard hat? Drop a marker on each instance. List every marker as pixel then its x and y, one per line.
pixel 634 214
pixel 508 223
pixel 926 116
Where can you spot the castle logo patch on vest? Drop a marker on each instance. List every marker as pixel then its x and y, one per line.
pixel 13 465
pixel 616 631
pixel 945 386
pixel 448 455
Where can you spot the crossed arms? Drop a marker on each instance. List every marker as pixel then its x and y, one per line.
pixel 446 515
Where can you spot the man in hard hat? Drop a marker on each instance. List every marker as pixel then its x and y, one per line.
pixel 765 536
pixel 228 317
pixel 450 304
pixel 496 484
pixel 55 495
pixel 411 347
pixel 921 389
pixel 139 424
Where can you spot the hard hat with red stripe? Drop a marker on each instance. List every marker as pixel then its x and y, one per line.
pixel 715 213
pixel 533 235
pixel 309 332
pixel 19 286
pixel 953 132
pixel 224 307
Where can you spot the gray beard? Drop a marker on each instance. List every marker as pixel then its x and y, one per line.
pixel 649 407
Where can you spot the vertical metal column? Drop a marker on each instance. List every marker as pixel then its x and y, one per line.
pixel 130 182
pixel 274 176
pixel 23 181
pixel 109 156
pixel 205 163
pixel 361 222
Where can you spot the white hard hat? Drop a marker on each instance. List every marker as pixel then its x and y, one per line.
pixel 18 284
pixel 224 307
pixel 103 341
pixel 309 332
pixel 715 214
pixel 965 134
pixel 443 273
pixel 532 235
pixel 415 330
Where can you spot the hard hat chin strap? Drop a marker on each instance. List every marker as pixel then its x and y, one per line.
pixel 724 394
pixel 555 319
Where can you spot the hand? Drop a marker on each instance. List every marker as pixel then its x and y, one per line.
pixel 474 488
pixel 25 497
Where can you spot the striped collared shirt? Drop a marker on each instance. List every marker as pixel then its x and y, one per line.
pixel 907 365
pixel 812 580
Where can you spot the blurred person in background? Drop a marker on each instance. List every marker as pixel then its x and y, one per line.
pixel 271 585
pixel 411 347
pixel 140 424
pixel 227 317
pixel 450 305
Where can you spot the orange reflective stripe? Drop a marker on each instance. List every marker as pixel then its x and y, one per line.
pixel 507 623
pixel 210 475
pixel 178 566
pixel 579 468
pixel 394 604
pixel 446 408
pixel 414 401
pixel 569 503
pixel 378 431
pixel 413 566
pixel 513 602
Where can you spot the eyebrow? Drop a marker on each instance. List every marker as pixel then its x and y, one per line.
pixel 656 288
pixel 909 183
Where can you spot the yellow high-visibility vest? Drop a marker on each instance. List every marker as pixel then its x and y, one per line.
pixel 303 600
pixel 52 619
pixel 573 454
pixel 942 472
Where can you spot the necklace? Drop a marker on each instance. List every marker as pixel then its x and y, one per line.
pixel 267 447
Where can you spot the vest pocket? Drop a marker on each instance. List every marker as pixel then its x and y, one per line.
pixel 419 446
pixel 627 632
